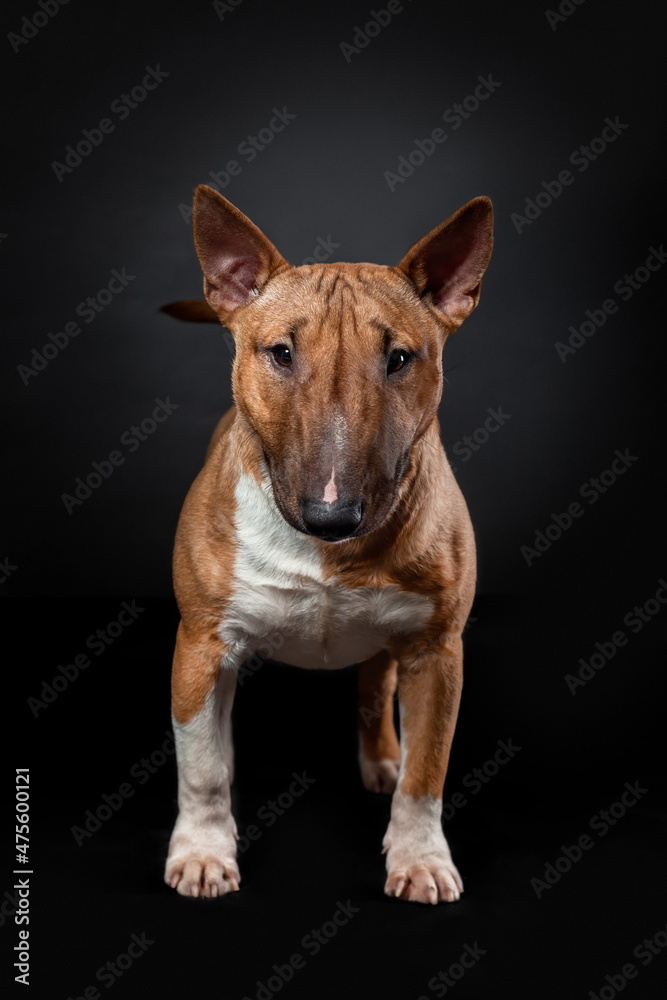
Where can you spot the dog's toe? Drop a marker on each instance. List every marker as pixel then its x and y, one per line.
pixel 435 880
pixel 202 876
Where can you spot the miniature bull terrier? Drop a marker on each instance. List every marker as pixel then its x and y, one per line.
pixel 327 513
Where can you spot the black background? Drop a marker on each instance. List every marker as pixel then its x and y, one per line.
pixel 323 177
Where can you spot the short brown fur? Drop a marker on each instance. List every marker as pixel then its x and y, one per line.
pixel 340 322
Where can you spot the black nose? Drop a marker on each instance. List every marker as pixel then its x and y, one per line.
pixel 331 520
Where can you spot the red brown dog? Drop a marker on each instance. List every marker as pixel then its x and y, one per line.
pixel 327 523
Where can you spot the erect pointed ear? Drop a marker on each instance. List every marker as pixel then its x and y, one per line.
pixel 447 265
pixel 235 256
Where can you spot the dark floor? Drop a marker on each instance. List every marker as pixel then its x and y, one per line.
pixel 321 856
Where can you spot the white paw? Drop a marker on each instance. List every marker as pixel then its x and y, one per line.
pixel 431 878
pixel 419 863
pixel 202 866
pixel 379 775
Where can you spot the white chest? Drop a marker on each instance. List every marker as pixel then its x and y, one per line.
pixel 281 600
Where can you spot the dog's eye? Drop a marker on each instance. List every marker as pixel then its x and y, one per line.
pixel 282 356
pixel 397 359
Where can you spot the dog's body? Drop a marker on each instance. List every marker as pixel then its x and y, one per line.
pixel 326 527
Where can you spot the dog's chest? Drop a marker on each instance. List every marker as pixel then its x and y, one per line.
pixel 282 606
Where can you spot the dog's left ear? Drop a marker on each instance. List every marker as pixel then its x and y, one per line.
pixel 448 264
pixel 236 257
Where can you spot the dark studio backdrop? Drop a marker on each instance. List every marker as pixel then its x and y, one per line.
pixel 345 131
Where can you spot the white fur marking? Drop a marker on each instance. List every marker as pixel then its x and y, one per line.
pixel 202 849
pixel 340 426
pixel 417 823
pixel 281 600
pixel 331 490
pixel 419 862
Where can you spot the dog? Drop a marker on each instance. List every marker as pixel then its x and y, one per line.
pixel 327 523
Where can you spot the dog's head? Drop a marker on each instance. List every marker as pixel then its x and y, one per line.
pixel 338 367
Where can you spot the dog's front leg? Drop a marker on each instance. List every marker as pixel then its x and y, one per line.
pixel 419 863
pixel 202 850
pixel 378 744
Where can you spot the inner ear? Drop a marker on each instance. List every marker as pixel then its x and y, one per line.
pixel 447 265
pixel 236 257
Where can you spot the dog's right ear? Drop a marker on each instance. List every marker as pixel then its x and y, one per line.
pixel 448 264
pixel 235 256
